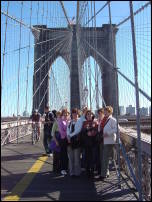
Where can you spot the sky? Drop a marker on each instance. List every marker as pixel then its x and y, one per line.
pixel 51 14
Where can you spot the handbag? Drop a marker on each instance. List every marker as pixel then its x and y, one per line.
pixel 53 145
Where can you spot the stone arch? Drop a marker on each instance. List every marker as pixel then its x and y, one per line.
pixel 104 46
pixel 71 55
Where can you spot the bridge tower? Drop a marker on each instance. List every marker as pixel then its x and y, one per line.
pixel 42 66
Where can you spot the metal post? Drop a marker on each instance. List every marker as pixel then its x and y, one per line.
pixel 117 100
pixel 137 102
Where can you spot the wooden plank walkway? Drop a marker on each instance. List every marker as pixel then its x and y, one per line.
pixel 16 160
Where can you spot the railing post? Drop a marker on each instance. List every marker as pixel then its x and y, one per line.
pixel 137 102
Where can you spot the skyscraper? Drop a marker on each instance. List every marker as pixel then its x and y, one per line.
pixel 121 110
pixel 130 110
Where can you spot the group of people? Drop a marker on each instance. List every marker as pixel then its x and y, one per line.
pixel 81 142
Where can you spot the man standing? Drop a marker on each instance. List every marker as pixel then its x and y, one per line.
pixel 48 123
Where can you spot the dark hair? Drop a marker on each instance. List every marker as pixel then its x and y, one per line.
pixel 47 107
pixel 75 110
pixel 93 116
pixel 88 111
pixel 54 112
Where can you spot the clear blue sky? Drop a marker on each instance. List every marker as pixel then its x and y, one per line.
pixel 55 18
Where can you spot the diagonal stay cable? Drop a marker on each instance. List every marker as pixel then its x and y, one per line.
pixel 29 46
pixel 135 13
pixel 97 12
pixel 116 69
pixel 50 52
pixel 42 80
pixel 62 5
pixel 33 63
pixel 94 78
pixel 18 21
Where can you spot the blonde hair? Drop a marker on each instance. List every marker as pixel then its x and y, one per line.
pixel 58 113
pixel 84 109
pixel 109 109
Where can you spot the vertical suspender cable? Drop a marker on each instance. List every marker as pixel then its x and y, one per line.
pixel 18 99
pixel 4 50
pixel 137 101
pixel 41 69
pixel 89 61
pixel 28 59
pixel 96 68
pixel 117 99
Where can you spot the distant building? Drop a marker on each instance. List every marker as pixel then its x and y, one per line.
pixel 150 111
pixel 130 110
pixel 143 111
pixel 25 113
pixel 121 110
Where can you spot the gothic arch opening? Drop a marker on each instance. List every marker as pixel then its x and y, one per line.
pixel 59 84
pixel 91 82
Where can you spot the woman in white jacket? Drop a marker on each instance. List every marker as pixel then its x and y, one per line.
pixel 109 140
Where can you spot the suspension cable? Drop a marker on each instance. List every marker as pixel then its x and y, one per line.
pixel 111 66
pixel 97 12
pixel 65 14
pixel 4 48
pixel 28 60
pixel 135 13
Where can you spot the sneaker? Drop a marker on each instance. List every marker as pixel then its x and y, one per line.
pixel 63 172
pixel 49 155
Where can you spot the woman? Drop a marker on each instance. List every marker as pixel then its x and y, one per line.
pixel 62 125
pixel 56 137
pixel 89 132
pixel 73 150
pixel 109 140
pixel 100 122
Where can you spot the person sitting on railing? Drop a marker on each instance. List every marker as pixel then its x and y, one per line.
pixel 36 119
pixel 109 140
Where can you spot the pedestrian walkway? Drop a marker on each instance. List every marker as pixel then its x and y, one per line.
pixel 27 175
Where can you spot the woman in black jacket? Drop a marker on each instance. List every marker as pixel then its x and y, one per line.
pixel 89 132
